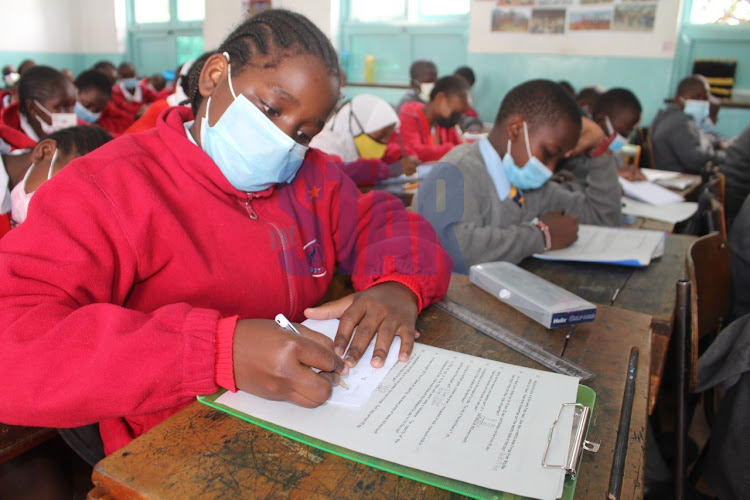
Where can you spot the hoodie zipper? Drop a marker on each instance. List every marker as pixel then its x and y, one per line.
pixel 289 279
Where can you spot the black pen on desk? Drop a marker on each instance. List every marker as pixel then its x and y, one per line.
pixel 284 323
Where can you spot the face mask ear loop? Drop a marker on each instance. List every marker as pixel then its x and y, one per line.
pixel 39 105
pixel 508 151
pixel 52 165
pixel 610 128
pixel 229 75
pixel 526 136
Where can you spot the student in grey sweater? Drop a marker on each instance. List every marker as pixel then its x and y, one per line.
pixel 678 142
pixel 491 201
pixel 736 169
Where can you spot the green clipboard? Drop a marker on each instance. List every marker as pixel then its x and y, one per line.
pixel 586 396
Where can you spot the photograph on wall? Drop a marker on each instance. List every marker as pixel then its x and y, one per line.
pixel 634 17
pixel 547 21
pixel 515 3
pixel 553 3
pixel 589 20
pixel 510 20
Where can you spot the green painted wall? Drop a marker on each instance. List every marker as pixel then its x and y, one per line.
pixel 60 60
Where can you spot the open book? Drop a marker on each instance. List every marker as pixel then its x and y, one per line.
pixel 471 425
pixel 649 192
pixel 610 245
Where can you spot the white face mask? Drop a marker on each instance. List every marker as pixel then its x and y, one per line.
pixel 425 89
pixel 20 199
pixel 59 120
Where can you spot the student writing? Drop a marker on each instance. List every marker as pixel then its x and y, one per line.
pixel 496 188
pixel 154 272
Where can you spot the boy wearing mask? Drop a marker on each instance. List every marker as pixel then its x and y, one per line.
pixel 496 203
pixel 423 74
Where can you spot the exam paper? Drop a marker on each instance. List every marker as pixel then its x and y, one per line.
pixel 363 378
pixel 653 175
pixel 609 245
pixel 667 178
pixel 459 416
pixel 649 192
pixel 672 213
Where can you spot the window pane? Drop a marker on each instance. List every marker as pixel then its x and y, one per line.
pixel 151 11
pixel 380 10
pixel 189 47
pixel 435 8
pixel 720 11
pixel 191 10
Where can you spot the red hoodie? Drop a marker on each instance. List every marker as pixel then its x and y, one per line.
pixel 10 128
pixel 125 101
pixel 122 289
pixel 417 138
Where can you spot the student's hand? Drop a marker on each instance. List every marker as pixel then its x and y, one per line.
pixel 591 136
pixel 563 176
pixel 631 172
pixel 275 364
pixel 409 164
pixel 387 308
pixel 563 229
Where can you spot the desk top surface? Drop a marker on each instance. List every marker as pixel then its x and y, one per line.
pixel 204 452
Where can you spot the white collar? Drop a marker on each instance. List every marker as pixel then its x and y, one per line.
pixel 188 133
pixel 26 126
pixel 136 96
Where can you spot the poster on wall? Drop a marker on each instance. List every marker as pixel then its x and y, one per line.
pixel 560 16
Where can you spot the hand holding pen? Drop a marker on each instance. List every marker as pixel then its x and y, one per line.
pixel 284 323
pixel 276 366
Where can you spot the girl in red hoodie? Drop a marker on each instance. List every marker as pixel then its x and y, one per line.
pixel 149 271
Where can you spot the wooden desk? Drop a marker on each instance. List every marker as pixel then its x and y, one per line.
pixel 15 440
pixel 653 224
pixel 649 290
pixel 201 452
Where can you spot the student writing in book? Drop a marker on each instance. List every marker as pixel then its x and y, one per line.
pixel 92 103
pixel 153 270
pixel 428 131
pixel 130 94
pixel 679 142
pixel 616 112
pixel 491 201
pixel 359 134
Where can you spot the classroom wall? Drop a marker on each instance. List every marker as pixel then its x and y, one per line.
pixel 59 33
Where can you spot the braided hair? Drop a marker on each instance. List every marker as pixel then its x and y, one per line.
pixel 81 139
pixel 263 40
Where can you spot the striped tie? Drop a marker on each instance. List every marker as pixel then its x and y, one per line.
pixel 516 195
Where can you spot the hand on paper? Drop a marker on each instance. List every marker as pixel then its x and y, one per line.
pixel 631 172
pixel 274 363
pixel 387 308
pixel 591 136
pixel 563 229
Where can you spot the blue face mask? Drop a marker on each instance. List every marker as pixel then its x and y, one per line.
pixel 699 110
pixel 85 114
pixel 251 152
pixel 618 140
pixel 533 175
pixel 130 83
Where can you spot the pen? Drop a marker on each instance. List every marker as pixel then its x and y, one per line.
pixel 284 323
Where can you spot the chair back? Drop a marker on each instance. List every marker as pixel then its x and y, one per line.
pixel 708 270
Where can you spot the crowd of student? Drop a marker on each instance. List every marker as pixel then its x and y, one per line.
pixel 232 195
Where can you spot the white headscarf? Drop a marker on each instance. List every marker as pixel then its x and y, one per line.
pixel 337 137
pixel 179 96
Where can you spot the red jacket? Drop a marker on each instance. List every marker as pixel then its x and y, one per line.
pixel 10 128
pixel 416 137
pixel 148 119
pixel 364 172
pixel 122 288
pixel 130 106
pixel 114 120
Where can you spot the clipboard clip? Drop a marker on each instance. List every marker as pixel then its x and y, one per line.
pixel 578 442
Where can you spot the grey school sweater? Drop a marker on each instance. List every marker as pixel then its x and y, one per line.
pixel 679 143
pixel 736 168
pixel 459 198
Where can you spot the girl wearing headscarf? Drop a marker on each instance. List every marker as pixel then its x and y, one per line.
pixel 358 134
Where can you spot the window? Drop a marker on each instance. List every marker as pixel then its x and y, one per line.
pixel 410 11
pixel 191 10
pixel 151 11
pixel 730 12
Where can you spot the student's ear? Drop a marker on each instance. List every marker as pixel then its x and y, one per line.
pixel 514 127
pixel 214 71
pixel 43 150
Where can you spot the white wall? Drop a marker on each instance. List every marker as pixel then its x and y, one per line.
pixel 223 15
pixel 37 26
pixel 93 26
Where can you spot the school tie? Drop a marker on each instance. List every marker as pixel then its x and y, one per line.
pixel 516 195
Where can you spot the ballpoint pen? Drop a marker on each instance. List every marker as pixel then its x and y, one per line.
pixel 284 323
